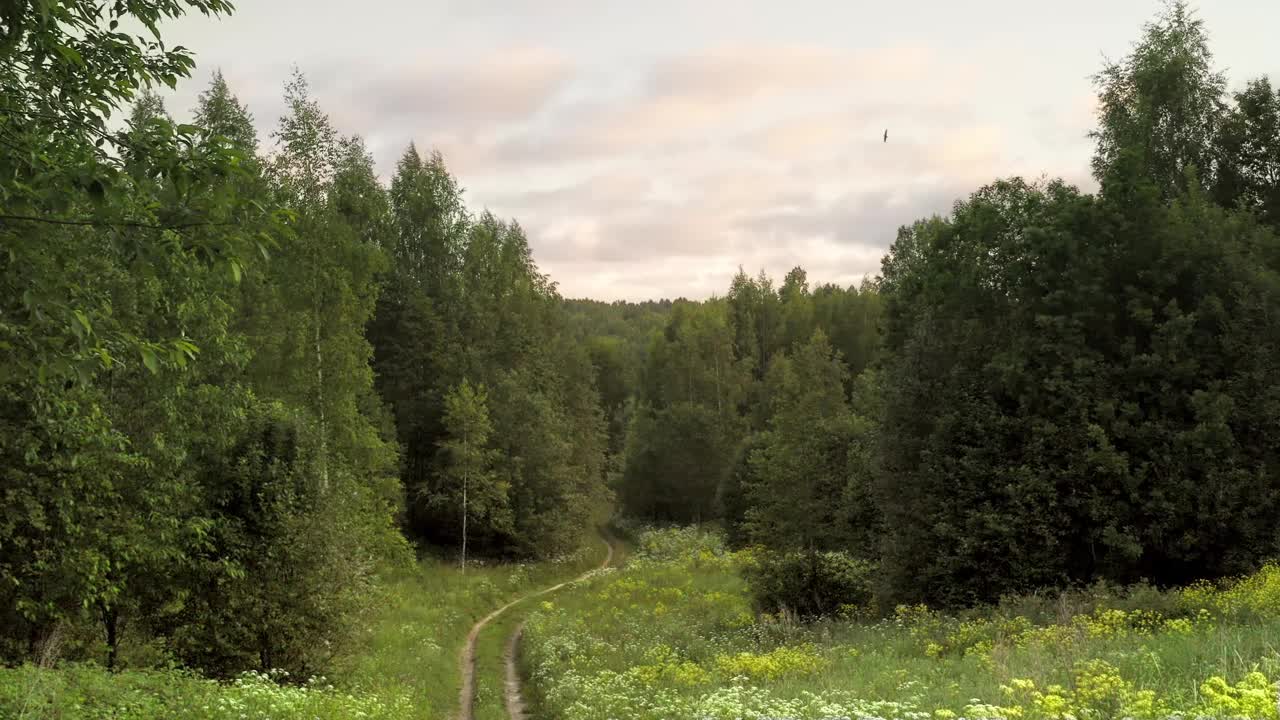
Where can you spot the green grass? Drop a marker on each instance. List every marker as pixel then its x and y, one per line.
pixel 674 635
pixel 491 645
pixel 404 662
pixel 412 648
pixel 87 691
pixel 1173 665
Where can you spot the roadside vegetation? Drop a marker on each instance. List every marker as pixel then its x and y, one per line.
pixel 411 650
pixel 676 633
pixel 402 664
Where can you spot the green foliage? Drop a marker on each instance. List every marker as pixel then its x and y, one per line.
pixel 226 376
pixel 674 462
pixel 86 692
pixel 1044 388
pixel 121 251
pixel 465 301
pixel 617 336
pixel 402 664
pixel 690 453
pixel 284 573
pixel 1160 108
pixel 672 635
pixel 756 318
pixel 851 319
pixel 810 584
pixel 473 486
pixel 410 646
pixel 1247 150
pixel 732 498
pixel 685 430
pixel 153 194
pixel 809 476
pixel 181 481
pixel 1039 431
pixel 100 418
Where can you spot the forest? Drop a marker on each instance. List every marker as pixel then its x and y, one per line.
pixel 275 433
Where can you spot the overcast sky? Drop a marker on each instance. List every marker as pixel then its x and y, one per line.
pixel 650 148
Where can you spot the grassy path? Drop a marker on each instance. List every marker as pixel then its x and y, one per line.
pixel 467 661
pixel 515 701
pixel 512 697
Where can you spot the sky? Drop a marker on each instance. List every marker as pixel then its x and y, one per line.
pixel 651 148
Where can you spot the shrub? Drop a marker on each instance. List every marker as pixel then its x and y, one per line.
pixel 1060 606
pixel 1250 598
pixel 779 662
pixel 809 584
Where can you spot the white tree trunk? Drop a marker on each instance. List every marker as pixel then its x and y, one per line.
pixel 464 522
pixel 324 431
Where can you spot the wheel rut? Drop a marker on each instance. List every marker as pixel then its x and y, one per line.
pixel 514 701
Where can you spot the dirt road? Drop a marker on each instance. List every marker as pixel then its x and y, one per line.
pixel 467 695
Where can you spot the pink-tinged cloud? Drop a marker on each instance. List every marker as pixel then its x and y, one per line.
pixel 650 148
pixel 803 136
pixel 507 86
pixel 707 275
pixel 743 72
pixel 767 157
pixel 697 101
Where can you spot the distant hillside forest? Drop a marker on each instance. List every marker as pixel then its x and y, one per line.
pixel 241 377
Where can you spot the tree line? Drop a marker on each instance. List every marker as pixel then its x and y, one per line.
pixel 1044 388
pixel 240 375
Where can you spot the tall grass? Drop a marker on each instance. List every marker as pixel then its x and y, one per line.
pixel 88 691
pixel 412 647
pixel 492 643
pixel 674 635
pixel 404 662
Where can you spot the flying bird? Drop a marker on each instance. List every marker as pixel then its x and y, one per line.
pixel 886 134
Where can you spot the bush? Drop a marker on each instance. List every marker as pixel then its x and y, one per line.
pixel 1060 606
pixel 810 585
pixel 678 544
pixel 288 567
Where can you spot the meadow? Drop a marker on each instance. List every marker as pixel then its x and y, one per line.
pixel 674 635
pixel 402 663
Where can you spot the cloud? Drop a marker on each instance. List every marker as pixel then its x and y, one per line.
pixel 455 104
pixel 869 219
pixel 805 135
pixel 629 239
pixel 839 241
pixel 609 192
pixel 695 101
pixel 732 74
pixel 507 86
pixel 834 204
pixel 658 277
pixel 704 276
pixel 765 156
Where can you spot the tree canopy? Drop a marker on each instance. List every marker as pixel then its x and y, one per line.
pixel 234 373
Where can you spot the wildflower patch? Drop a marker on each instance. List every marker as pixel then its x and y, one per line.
pixel 675 635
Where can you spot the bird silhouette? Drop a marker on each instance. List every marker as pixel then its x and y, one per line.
pixel 886 134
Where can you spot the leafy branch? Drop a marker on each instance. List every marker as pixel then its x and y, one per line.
pixel 123 224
